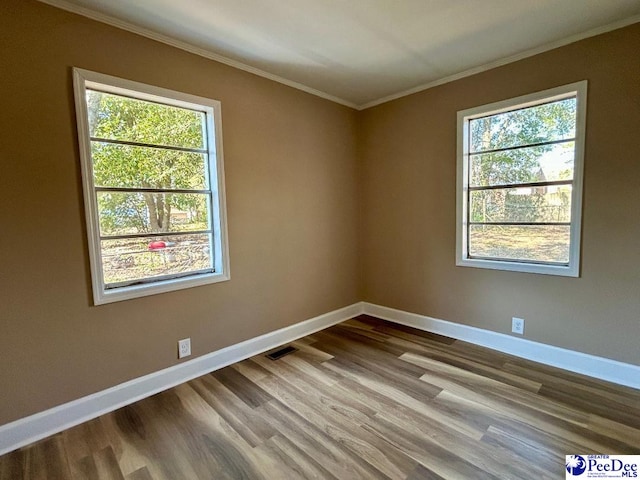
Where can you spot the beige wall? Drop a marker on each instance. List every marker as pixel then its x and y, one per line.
pixel 291 172
pixel 409 193
pixel 326 207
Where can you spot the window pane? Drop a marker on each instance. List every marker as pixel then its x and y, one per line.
pixel 131 213
pixel 542 123
pixel 531 164
pixel 123 118
pixel 539 243
pixel 551 203
pixel 131 259
pixel 143 167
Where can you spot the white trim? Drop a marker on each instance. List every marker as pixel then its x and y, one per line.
pixel 188 47
pixel 578 362
pixel 572 269
pixel 40 425
pixel 503 61
pixel 123 25
pixel 84 79
pixel 48 422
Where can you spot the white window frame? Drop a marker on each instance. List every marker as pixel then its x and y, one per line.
pixel 572 269
pixel 84 79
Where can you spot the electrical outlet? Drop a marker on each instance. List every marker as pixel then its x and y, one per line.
pixel 184 348
pixel 517 325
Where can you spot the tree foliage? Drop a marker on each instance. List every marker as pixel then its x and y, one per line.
pixel 526 127
pixel 118 118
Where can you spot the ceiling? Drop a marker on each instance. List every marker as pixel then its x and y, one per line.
pixel 362 52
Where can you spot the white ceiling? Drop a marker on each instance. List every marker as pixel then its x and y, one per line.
pixel 362 52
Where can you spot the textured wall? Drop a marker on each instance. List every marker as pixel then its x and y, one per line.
pixel 409 192
pixel 291 170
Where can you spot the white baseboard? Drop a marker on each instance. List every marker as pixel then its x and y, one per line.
pixel 591 365
pixel 40 425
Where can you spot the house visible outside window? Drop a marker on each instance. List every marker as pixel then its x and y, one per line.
pixel 153 187
pixel 519 182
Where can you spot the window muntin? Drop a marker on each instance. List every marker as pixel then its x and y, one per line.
pixel 558 165
pixel 128 260
pixel 510 242
pixel 154 191
pixel 110 171
pixel 547 122
pixel 144 121
pixel 519 182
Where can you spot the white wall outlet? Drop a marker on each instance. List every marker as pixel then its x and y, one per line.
pixel 517 325
pixel 184 348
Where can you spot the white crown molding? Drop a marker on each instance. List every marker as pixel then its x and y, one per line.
pixel 116 22
pixel 48 422
pixel 188 47
pixel 504 61
pixel 578 362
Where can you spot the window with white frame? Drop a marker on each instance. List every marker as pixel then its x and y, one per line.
pixel 153 183
pixel 519 182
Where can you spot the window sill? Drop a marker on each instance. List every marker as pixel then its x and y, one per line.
pixel 560 270
pixel 103 296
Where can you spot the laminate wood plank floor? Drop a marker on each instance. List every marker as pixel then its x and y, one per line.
pixel 365 399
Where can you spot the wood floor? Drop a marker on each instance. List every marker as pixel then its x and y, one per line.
pixel 362 400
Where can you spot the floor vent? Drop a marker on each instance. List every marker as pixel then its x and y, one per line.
pixel 282 352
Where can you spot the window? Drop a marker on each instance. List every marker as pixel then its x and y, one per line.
pixel 520 182
pixel 153 187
